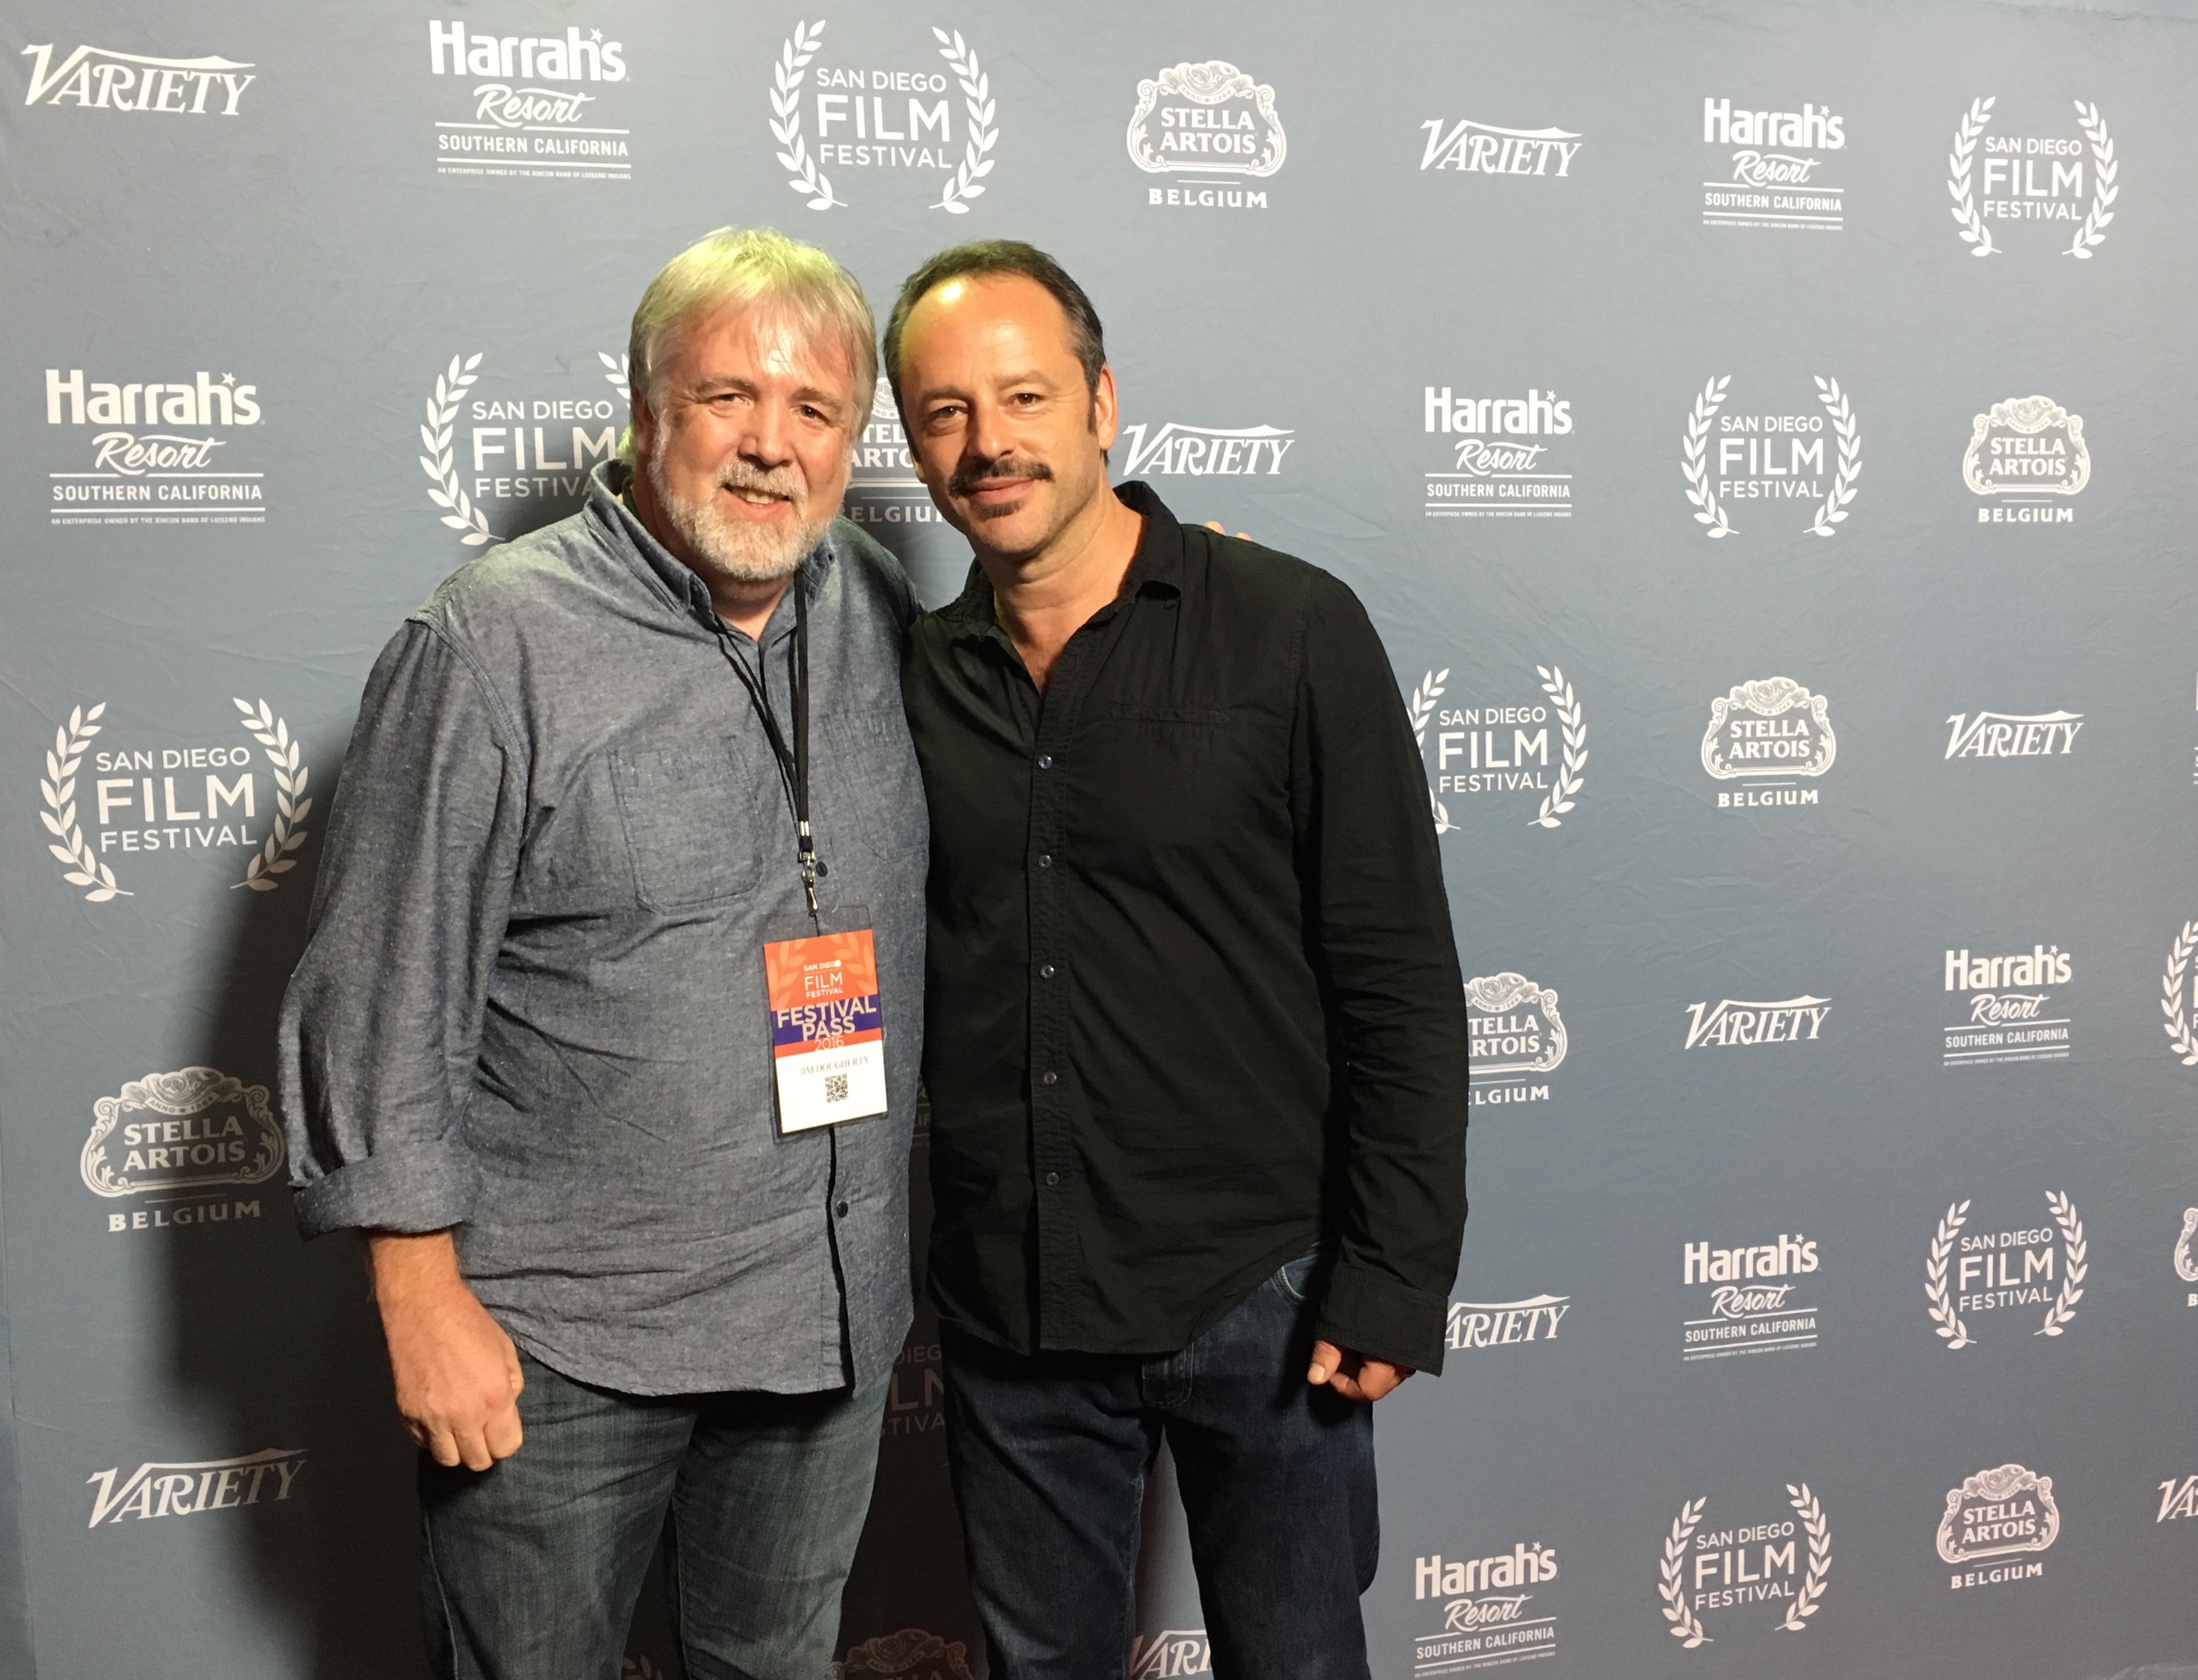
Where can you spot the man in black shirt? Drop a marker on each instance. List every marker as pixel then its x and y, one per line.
pixel 1195 1034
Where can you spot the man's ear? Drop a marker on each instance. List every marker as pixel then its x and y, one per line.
pixel 1105 418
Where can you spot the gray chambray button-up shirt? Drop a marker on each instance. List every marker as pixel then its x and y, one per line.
pixel 531 1002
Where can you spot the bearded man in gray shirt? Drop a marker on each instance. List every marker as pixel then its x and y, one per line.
pixel 638 1219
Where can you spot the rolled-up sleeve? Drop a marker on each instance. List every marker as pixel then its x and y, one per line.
pixel 1369 856
pixel 380 1024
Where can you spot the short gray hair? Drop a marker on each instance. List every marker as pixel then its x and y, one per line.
pixel 737 266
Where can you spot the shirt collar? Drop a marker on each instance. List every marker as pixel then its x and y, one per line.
pixel 1156 568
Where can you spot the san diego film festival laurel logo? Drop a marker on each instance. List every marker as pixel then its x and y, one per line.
pixel 97 78
pixel 2005 1011
pixel 894 120
pixel 150 799
pixel 2035 1269
pixel 1503 752
pixel 1495 1610
pixel 1772 178
pixel 1509 459
pixel 2028 455
pixel 1998 174
pixel 2001 1513
pixel 1729 1578
pixel 1515 1036
pixel 154 454
pixel 2177 999
pixel 535 106
pixel 181 1143
pixel 1772 457
pixel 1751 1298
pixel 525 455
pixel 155 1489
pixel 1212 128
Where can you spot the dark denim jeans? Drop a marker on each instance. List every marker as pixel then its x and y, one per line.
pixel 1049 1456
pixel 532 1568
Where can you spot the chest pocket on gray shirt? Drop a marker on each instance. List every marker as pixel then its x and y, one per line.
pixel 693 816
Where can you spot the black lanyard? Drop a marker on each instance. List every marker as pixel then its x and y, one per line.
pixel 792 765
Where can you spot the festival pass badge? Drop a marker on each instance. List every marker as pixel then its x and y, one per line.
pixel 828 1041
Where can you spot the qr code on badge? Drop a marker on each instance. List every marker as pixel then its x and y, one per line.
pixel 835 1087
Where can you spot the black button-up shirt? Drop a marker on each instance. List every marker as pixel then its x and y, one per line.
pixel 1193 1003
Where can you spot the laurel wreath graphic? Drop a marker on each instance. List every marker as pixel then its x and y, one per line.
pixel 1672 1587
pixel 459 514
pixel 2177 1025
pixel 1811 1513
pixel 1559 800
pixel 1848 431
pixel 620 377
pixel 1425 693
pixel 292 806
pixel 787 78
pixel 1974 233
pixel 1696 466
pixel 966 183
pixel 81 867
pixel 2074 1250
pixel 2103 189
pixel 1950 1324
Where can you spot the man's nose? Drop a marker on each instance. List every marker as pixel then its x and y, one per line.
pixel 765 440
pixel 989 436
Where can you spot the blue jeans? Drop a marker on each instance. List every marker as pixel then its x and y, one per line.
pixel 532 1567
pixel 1050 1455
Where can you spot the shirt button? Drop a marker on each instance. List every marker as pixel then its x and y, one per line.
pixel 1046 860
pixel 841 1210
pixel 1045 971
pixel 1051 1179
pixel 1045 761
pixel 1049 1078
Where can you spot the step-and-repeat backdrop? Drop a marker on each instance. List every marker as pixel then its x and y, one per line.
pixel 1763 435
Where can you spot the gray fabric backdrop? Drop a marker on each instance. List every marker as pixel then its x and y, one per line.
pixel 1660 374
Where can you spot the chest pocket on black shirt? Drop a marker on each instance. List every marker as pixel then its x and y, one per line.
pixel 693 818
pixel 1174 774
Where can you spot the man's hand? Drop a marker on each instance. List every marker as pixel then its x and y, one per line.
pixel 1215 525
pixel 1356 1376
pixel 457 1372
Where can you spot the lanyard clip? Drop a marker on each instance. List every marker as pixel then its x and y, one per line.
pixel 808 869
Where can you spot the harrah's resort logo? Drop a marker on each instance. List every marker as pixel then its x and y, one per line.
pixel 181 1144
pixel 1209 129
pixel 1482 148
pixel 886 113
pixel 1771 735
pixel 1176 450
pixel 1999 1518
pixel 154 453
pixel 1765 172
pixel 94 79
pixel 1170 1653
pixel 1503 751
pixel 523 455
pixel 1772 457
pixel 1783 1564
pixel 1521 1324
pixel 2009 1271
pixel 268 1477
pixel 1748 1299
pixel 912 1653
pixel 2001 177
pixel 2026 456
pixel 1506 459
pixel 1491 1611
pixel 535 107
pixel 2005 1013
pixel 1516 1037
pixel 2012 735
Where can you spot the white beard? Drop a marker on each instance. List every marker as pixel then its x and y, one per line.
pixel 732 547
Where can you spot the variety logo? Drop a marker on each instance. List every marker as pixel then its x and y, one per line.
pixel 96 79
pixel 1205 452
pixel 527 457
pixel 898 121
pixel 181 1137
pixel 913 1654
pixel 1749 1300
pixel 1171 1652
pixel 1506 1323
pixel 150 1491
pixel 1515 1033
pixel 2009 1010
pixel 2177 1499
pixel 2186 1266
pixel 158 454
pixel 1737 1023
pixel 1998 1513
pixel 1772 177
pixel 2033 178
pixel 1503 750
pixel 2009 1270
pixel 1768 735
pixel 1481 149
pixel 179 798
pixel 2025 453
pixel 1504 464
pixel 1772 457
pixel 2012 735
pixel 1488 1618
pixel 535 107
pixel 1784 1564
pixel 1210 126
pixel 2177 1002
